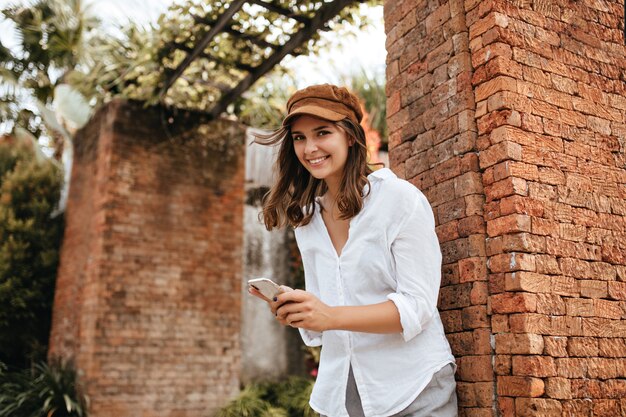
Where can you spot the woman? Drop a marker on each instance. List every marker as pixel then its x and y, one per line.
pixel 372 266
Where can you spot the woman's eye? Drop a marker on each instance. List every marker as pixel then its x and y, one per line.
pixel 297 138
pixel 323 133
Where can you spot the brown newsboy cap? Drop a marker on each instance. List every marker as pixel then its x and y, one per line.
pixel 325 101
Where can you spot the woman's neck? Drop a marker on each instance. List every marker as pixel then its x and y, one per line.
pixel 332 191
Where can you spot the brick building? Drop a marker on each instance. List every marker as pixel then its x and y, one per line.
pixel 511 117
pixel 148 300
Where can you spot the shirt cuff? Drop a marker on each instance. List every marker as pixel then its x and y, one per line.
pixel 311 338
pixel 409 319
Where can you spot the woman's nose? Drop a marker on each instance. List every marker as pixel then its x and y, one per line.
pixel 310 147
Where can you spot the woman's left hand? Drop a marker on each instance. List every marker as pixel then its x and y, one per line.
pixel 302 309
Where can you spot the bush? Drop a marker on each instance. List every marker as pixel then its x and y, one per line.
pixel 29 252
pixel 289 398
pixel 46 391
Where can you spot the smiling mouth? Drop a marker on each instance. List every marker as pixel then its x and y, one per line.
pixel 318 161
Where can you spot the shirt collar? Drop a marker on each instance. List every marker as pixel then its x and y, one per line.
pixel 381 174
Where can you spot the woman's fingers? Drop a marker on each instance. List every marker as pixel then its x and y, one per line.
pixel 294 319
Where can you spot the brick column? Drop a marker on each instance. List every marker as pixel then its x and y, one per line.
pixel 147 301
pixel 521 105
pixel 549 87
pixel 433 144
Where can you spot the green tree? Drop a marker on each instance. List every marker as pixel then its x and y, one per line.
pixel 371 89
pixel 29 251
pixel 53 41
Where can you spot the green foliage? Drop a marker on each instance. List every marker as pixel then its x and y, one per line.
pixel 45 391
pixel 29 251
pixel 137 64
pixel 264 106
pixel 60 44
pixel 51 35
pixel 371 89
pixel 288 398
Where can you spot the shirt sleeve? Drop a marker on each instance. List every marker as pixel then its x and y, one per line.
pixel 417 257
pixel 311 338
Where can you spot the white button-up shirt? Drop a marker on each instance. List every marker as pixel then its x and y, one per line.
pixel 392 253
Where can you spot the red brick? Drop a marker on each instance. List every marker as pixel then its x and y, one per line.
pixel 491 20
pixel 617 290
pixel 593 289
pixel 612 347
pixel 479 293
pixel 582 346
pixel 537 366
pixel 505 188
pixel 499 323
pixel 500 83
pixel 473 269
pixel 559 388
pixel 577 408
pixel 601 327
pixel 551 304
pixel 437 18
pixel 522 204
pixel 451 320
pixel 468 183
pixel 509 224
pixel 475 368
pixel 475 317
pixel 571 367
pixel 607 408
pixel 519 343
pixel 546 264
pixel 555 346
pixel 523 242
pixel 502 365
pixel 508 262
pixel 506 407
pixel 517 386
pixel 537 407
pixel 580 307
pixel 471 225
pixel 530 323
pixel 513 303
pixel 527 281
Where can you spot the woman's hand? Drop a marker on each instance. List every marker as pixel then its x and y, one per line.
pixel 302 309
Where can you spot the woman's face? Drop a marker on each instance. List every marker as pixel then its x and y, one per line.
pixel 321 147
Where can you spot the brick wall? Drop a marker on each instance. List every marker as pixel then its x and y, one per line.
pixel 511 117
pixel 147 302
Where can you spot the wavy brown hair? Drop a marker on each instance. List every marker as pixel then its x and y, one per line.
pixel 291 200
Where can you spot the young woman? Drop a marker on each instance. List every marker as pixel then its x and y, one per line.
pixel 372 267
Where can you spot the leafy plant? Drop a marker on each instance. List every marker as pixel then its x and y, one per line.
pixel 371 89
pixel 52 37
pixel 29 249
pixel 288 398
pixel 47 390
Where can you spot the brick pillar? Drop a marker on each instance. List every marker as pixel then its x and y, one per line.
pixel 147 301
pixel 433 144
pixel 520 105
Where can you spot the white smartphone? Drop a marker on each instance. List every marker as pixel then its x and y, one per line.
pixel 265 286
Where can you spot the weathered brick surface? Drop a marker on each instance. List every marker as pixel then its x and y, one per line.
pixel 532 227
pixel 147 300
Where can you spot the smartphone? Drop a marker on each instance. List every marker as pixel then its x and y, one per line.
pixel 265 286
